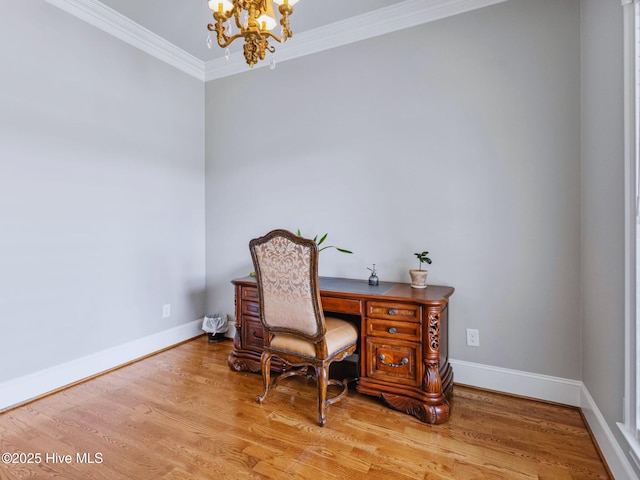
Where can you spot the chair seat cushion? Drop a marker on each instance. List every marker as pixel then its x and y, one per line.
pixel 340 334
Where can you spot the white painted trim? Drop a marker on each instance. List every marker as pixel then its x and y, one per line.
pixel 116 24
pixel 629 89
pixel 631 420
pixel 516 382
pixel 553 389
pixel 22 389
pixel 378 22
pixel 609 446
pixel 634 446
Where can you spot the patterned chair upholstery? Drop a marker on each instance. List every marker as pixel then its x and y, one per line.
pixel 295 328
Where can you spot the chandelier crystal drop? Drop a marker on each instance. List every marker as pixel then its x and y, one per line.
pixel 254 20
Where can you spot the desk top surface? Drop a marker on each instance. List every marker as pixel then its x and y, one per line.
pixel 350 287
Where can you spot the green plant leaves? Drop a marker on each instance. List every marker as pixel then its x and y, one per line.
pixel 422 257
pixel 322 239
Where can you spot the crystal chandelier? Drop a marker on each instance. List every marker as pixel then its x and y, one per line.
pixel 254 20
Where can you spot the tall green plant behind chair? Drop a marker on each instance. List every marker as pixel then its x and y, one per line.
pixel 321 241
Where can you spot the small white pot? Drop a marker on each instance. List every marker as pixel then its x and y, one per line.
pixel 418 278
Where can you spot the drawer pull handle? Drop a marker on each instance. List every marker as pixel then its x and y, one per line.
pixel 392 330
pixel 402 363
pixel 392 312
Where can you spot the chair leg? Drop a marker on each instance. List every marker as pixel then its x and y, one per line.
pixel 322 372
pixel 265 366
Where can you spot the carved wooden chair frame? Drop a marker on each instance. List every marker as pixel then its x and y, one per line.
pixel 300 364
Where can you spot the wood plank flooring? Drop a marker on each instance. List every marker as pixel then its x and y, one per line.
pixel 182 414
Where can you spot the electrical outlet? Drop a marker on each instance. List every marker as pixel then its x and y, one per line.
pixel 473 337
pixel 166 310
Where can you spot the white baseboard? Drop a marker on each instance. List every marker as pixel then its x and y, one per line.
pixel 22 389
pixel 611 449
pixel 516 382
pixel 552 389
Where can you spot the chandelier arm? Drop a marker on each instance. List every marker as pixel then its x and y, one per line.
pixel 236 15
pixel 228 40
pixel 286 32
pixel 268 33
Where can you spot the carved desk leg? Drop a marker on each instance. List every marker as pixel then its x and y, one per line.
pixel 236 363
pixel 243 359
pixel 239 364
pixel 438 408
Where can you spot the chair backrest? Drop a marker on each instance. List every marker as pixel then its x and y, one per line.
pixel 286 267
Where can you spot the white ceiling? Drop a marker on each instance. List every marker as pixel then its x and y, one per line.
pixel 184 22
pixel 175 31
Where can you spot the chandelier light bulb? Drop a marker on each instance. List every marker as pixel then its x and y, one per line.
pixel 267 20
pixel 220 5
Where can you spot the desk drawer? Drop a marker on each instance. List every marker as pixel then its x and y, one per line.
pixel 394 311
pixel 393 329
pixel 250 293
pixel 394 361
pixel 341 305
pixel 251 308
pixel 252 333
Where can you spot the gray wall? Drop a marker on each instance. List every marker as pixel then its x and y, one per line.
pixel 461 137
pixel 101 191
pixel 603 208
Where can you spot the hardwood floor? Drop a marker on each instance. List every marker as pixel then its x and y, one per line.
pixel 182 414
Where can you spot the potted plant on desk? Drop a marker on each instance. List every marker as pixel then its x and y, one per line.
pixel 419 277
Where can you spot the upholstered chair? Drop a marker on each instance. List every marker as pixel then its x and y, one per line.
pixel 295 328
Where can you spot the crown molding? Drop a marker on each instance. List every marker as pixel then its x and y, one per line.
pixel 116 24
pixel 378 22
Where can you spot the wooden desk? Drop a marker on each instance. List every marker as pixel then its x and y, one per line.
pixel 403 347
